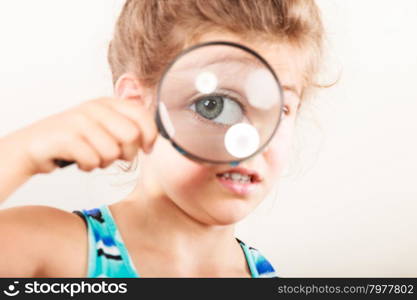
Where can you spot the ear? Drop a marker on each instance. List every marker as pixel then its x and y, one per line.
pixel 128 87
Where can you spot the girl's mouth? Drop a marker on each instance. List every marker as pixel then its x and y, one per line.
pixel 240 181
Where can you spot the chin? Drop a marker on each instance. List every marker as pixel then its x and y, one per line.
pixel 227 214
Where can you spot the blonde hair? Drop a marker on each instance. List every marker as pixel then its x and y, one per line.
pixel 149 33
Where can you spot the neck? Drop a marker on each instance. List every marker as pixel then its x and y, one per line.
pixel 153 214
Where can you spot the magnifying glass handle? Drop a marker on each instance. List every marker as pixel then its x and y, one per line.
pixel 63 163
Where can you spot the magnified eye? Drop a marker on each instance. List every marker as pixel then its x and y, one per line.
pixel 218 108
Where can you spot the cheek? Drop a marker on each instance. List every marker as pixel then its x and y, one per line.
pixel 174 170
pixel 277 155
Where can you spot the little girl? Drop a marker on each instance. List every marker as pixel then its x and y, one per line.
pixel 178 221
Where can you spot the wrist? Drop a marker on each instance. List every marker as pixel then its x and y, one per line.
pixel 14 157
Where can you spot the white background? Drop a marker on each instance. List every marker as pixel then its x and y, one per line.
pixel 351 211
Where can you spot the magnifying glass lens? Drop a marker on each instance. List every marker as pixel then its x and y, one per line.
pixel 219 102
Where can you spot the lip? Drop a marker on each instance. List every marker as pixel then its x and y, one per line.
pixel 241 189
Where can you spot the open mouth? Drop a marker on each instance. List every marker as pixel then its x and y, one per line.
pixel 239 180
pixel 239 177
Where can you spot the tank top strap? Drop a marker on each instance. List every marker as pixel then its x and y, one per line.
pixel 107 255
pixel 258 264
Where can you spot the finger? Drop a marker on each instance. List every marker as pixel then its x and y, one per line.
pixel 129 151
pixel 141 116
pixel 117 125
pixel 82 153
pixel 98 137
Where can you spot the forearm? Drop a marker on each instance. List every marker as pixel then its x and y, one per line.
pixel 14 170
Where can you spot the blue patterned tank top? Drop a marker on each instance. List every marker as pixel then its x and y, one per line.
pixel 108 256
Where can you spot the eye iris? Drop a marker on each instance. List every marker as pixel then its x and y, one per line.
pixel 210 107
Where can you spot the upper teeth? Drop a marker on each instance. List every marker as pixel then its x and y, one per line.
pixel 237 177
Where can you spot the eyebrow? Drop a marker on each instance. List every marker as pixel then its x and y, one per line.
pixel 245 60
pixel 241 59
pixel 291 88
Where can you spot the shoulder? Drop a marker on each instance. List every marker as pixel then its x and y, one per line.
pixel 39 222
pixel 50 240
pixel 261 265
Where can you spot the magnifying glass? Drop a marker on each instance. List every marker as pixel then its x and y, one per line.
pixel 218 102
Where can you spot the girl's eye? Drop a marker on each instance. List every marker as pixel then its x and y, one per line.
pixel 286 110
pixel 218 108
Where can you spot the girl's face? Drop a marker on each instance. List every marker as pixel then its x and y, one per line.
pixel 196 188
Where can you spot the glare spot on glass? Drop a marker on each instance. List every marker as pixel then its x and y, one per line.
pixel 206 82
pixel 262 90
pixel 242 140
pixel 166 120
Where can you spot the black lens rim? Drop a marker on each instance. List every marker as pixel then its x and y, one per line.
pixel 178 147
